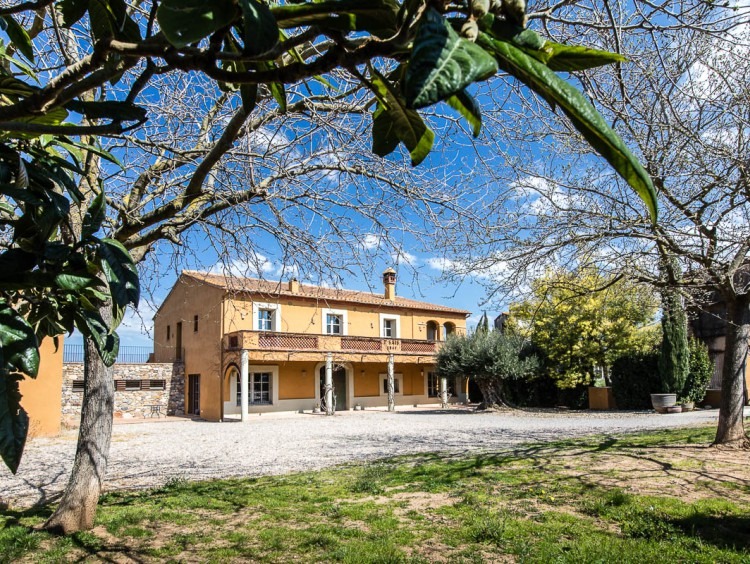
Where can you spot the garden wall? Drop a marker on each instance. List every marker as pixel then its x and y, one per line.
pixel 138 387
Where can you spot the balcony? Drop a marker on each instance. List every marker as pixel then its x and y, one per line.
pixel 302 342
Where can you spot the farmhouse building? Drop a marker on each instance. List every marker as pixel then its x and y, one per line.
pixel 253 346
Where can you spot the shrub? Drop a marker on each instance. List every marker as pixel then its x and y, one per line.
pixel 634 377
pixel 699 375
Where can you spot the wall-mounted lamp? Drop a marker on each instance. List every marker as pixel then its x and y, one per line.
pixel 421 372
pixel 304 372
pixel 362 373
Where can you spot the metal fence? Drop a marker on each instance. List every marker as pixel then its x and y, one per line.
pixel 126 354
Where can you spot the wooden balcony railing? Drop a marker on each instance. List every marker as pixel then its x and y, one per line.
pixel 265 340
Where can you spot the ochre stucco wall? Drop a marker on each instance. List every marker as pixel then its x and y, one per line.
pixel 306 316
pixel 42 397
pixel 202 348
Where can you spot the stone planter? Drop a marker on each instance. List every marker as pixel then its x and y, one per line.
pixel 688 406
pixel 660 402
pixel 601 398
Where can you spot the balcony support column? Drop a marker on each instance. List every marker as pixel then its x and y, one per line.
pixel 244 376
pixel 391 385
pixel 444 391
pixel 329 384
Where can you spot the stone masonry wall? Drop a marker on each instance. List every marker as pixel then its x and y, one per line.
pixel 135 403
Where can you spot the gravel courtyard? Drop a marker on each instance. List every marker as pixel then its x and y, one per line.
pixel 150 453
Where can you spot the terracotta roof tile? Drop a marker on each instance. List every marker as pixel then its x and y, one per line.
pixel 277 288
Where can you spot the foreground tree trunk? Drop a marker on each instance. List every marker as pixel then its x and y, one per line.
pixel 77 507
pixel 731 430
pixel 492 394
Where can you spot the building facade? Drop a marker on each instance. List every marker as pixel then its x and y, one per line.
pixel 268 345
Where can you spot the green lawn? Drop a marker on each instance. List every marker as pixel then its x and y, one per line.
pixel 635 498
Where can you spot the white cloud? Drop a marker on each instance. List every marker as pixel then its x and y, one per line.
pixel 370 241
pixel 255 266
pixel 404 257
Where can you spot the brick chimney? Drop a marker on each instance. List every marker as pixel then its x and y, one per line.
pixel 389 281
pixel 294 286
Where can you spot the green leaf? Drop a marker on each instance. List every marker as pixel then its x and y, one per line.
pixel 556 56
pixel 249 96
pixel 100 19
pixel 378 17
pixel 261 32
pixel 72 11
pixel 14 422
pixel 277 88
pixel 94 217
pixel 18 346
pixel 188 21
pixel 19 37
pixel 74 282
pixel 442 63
pixel 570 58
pixel 465 105
pixel 123 25
pixel 393 122
pixel 582 114
pixel 114 110
pixel 120 272
pixel 107 343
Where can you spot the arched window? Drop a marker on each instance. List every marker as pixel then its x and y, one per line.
pixel 432 331
pixel 448 328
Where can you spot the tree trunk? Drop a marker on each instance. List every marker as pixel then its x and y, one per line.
pixel 731 429
pixel 492 394
pixel 77 507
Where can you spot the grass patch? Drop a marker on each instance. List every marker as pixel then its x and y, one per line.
pixel 563 502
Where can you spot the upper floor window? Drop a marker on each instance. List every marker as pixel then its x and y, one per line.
pixel 195 324
pixel 169 332
pixel 389 328
pixel 334 321
pixel 265 320
pixel 266 316
pixel 432 331
pixel 333 324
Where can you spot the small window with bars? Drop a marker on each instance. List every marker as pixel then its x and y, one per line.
pixel 78 386
pixel 234 342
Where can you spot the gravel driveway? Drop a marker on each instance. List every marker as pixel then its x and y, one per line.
pixel 147 454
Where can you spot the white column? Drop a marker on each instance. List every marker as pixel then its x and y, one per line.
pixel 244 369
pixel 391 385
pixel 329 384
pixel 444 391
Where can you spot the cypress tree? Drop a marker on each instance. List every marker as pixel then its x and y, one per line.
pixel 674 357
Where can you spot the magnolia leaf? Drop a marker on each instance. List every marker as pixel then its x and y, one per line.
pixel 94 217
pixel 570 58
pixel 107 343
pixel 19 37
pixel 393 122
pixel 442 63
pixel 14 422
pixel 74 282
pixel 120 272
pixel 586 119
pixel 261 31
pixel 249 96
pixel 465 105
pixel 378 17
pixel 18 345
pixel 114 110
pixel 72 11
pixel 188 21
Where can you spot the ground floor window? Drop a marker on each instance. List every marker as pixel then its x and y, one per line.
pixel 259 392
pixel 396 386
pixel 433 385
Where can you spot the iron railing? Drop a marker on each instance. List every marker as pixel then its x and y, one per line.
pixel 128 354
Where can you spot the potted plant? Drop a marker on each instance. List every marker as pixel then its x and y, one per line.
pixel 316 407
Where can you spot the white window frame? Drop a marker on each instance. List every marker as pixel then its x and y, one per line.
pixel 257 369
pixel 275 317
pixel 342 313
pixel 391 317
pixel 427 383
pixel 398 376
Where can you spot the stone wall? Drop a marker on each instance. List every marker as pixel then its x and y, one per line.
pixel 135 403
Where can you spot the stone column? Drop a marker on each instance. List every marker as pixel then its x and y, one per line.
pixel 329 384
pixel 391 385
pixel 444 391
pixel 244 370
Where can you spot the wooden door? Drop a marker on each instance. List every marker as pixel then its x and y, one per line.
pixel 194 394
